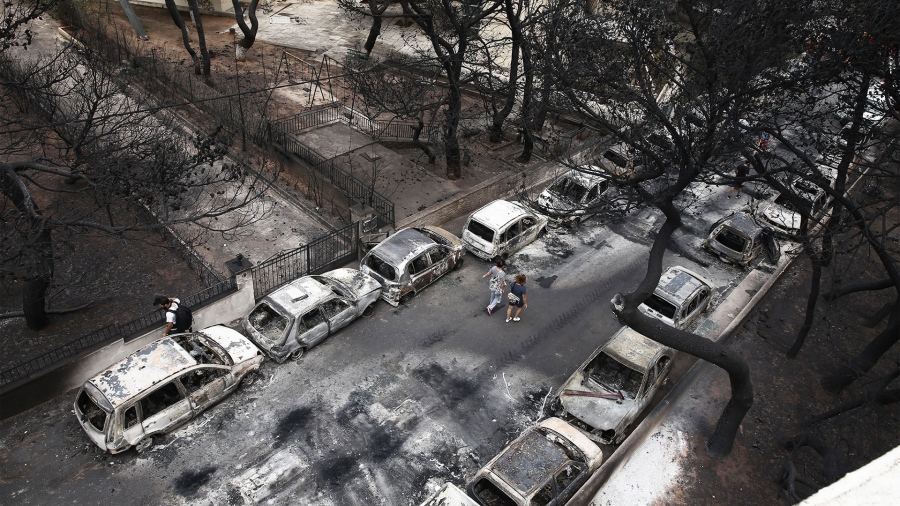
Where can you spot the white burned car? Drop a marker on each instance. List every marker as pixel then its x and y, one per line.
pixel 412 259
pixel 575 196
pixel 501 228
pixel 304 312
pixel 783 214
pixel 680 297
pixel 614 385
pixel 163 385
pixel 739 239
pixel 546 464
pixel 449 495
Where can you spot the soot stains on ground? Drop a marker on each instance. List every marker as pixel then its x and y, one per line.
pixel 546 282
pixel 296 420
pixel 333 472
pixel 452 390
pixel 384 442
pixel 191 481
pixel 555 246
pixel 358 402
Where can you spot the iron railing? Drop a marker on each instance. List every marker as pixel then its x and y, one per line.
pixel 320 255
pixel 108 334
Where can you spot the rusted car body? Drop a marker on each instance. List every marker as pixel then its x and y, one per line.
pixel 680 297
pixel 163 385
pixel 304 312
pixel 739 239
pixel 411 259
pixel 575 196
pixel 545 465
pixel 501 228
pixel 614 385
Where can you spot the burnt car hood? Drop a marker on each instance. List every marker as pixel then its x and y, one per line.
pixel 358 283
pixel 237 346
pixel 599 413
pixel 782 217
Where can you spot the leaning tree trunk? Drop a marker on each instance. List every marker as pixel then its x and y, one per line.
pixel 39 242
pixel 811 300
pixel 453 155
pixel 499 117
pixel 867 358
pixel 185 39
pixel 201 37
pixel 416 139
pixel 625 307
pixel 377 12
pixel 244 45
pixel 527 104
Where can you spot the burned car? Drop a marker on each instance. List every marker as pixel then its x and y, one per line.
pixel 614 385
pixel 546 465
pixel 501 228
pixel 575 196
pixel 783 214
pixel 680 297
pixel 412 259
pixel 449 495
pixel 163 385
pixel 304 312
pixel 739 239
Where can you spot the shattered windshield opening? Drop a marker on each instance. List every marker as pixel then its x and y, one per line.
pixel 614 376
pixel 381 267
pixel 481 230
pixel 661 306
pixel 569 189
pixel 731 240
pixel 269 323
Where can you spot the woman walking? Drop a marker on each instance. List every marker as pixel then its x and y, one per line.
pixel 517 298
pixel 497 283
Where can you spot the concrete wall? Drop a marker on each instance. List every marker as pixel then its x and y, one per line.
pixel 223 7
pixel 72 373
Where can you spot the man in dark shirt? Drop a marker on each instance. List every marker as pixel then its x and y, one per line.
pixel 740 175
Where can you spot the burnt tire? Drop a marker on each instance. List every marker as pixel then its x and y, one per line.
pixel 368 311
pixel 298 354
pixel 407 297
pixel 458 264
pixel 143 445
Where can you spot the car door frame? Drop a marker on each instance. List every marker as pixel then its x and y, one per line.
pixel 351 312
pixel 421 278
pixel 210 390
pixel 309 338
pixel 174 421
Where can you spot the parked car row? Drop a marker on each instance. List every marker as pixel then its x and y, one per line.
pixel 173 379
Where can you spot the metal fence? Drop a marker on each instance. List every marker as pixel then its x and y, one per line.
pixel 320 255
pixel 348 184
pixel 109 334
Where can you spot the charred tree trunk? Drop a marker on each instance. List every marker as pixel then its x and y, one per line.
pixel 499 117
pixel 878 393
pixel 38 245
pixel 417 132
pixel 377 12
pixel 868 357
pixel 201 37
pixel 810 309
pixel 453 153
pixel 527 104
pixel 625 307
pixel 185 39
pixel 244 45
pixel 860 286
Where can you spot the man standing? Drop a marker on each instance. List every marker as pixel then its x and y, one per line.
pixel 171 306
pixel 740 175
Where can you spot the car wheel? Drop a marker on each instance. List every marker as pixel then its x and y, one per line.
pixel 368 311
pixel 542 233
pixel 407 297
pixel 251 377
pixel 299 353
pixel 555 408
pixel 458 264
pixel 144 444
